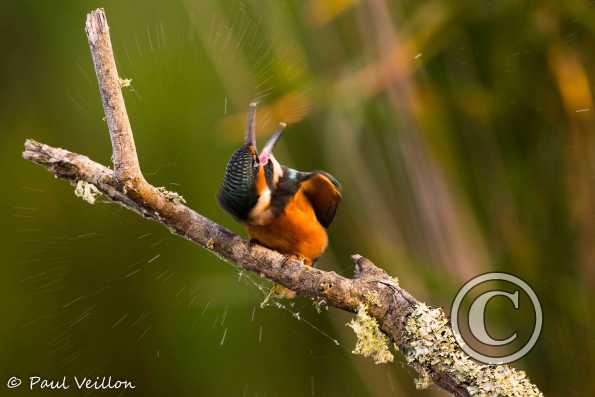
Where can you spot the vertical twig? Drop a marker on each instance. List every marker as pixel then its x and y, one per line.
pixel 124 158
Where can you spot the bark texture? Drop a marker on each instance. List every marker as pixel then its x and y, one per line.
pixel 126 165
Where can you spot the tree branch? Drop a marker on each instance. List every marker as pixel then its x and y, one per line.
pixel 126 165
pixel 421 333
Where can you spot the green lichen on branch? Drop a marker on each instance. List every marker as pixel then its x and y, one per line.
pixel 371 341
pixel 124 83
pixel 372 298
pixel 172 196
pixel 432 347
pixel 423 381
pixel 87 191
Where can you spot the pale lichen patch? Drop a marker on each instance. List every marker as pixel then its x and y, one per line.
pixel 371 341
pixel 87 191
pixel 172 196
pixel 372 298
pixel 500 380
pixel 424 381
pixel 125 82
pixel 431 346
pixel 320 305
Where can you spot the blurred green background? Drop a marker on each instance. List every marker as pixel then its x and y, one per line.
pixel 462 132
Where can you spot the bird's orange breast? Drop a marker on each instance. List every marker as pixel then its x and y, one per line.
pixel 295 231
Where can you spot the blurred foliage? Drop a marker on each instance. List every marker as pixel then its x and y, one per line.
pixel 462 133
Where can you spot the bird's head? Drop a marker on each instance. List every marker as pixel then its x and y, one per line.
pixel 250 177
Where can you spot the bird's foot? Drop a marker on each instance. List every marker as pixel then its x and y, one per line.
pixel 300 258
pixel 252 242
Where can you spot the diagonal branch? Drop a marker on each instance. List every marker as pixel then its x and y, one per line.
pixel 421 333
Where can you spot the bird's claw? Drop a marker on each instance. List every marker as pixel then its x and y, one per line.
pixel 299 258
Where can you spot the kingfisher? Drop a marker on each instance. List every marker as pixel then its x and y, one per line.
pixel 282 208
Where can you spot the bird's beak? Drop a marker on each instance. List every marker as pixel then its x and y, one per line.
pixel 251 127
pixel 267 150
